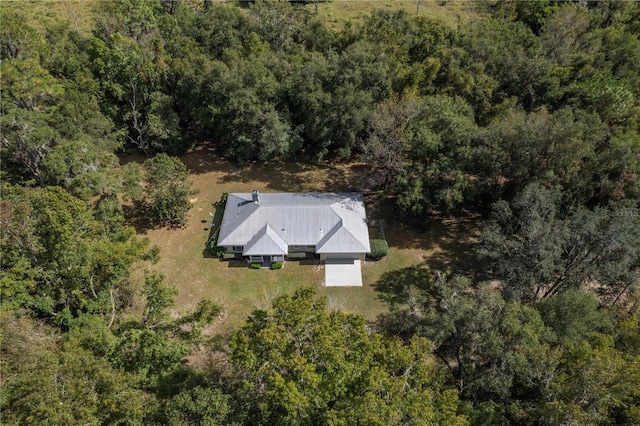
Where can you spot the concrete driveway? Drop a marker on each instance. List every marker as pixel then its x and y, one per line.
pixel 342 273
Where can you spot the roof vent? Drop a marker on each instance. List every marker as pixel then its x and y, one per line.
pixel 254 196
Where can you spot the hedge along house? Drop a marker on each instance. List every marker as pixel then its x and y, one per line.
pixel 268 227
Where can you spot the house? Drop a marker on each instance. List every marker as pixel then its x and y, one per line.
pixel 268 227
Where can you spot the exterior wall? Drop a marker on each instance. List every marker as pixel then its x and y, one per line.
pixel 259 258
pixel 302 249
pixel 230 249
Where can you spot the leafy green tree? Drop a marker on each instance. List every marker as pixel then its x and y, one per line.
pixel 54 132
pixel 218 29
pixel 569 42
pixel 127 75
pixel 400 37
pixel 360 80
pixel 574 315
pixel 300 364
pixel 539 253
pixel 309 97
pixel 28 141
pixel 533 13
pixel 167 189
pixel 29 85
pixel 80 167
pixel 275 21
pixel 163 124
pixel 18 40
pixel 386 146
pixel 58 261
pixel 524 73
pixel 154 345
pixel 131 18
pixel 597 384
pixel 73 384
pixel 558 148
pixel 244 115
pixel 440 155
pixel 530 260
pixel 497 351
pixel 199 406
pixel 77 115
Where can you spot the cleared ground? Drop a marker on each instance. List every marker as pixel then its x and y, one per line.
pixel 188 266
pixel 452 12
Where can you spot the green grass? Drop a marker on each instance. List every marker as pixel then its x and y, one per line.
pixel 452 12
pixel 188 265
pixel 41 14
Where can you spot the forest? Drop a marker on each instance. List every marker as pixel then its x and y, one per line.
pixel 527 115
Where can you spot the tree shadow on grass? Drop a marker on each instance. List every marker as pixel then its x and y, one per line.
pixel 396 288
pixel 295 175
pixel 448 241
pixel 236 263
pixel 134 215
pixel 405 292
pixel 292 177
pixel 215 223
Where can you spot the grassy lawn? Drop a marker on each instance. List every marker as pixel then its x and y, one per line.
pixel 452 12
pixel 40 14
pixel 188 266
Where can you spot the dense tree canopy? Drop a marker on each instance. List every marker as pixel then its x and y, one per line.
pixel 527 114
pixel 300 364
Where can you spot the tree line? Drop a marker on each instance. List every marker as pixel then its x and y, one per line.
pixel 528 115
pixel 445 116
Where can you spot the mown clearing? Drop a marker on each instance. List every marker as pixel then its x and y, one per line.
pixel 189 267
pixel 452 12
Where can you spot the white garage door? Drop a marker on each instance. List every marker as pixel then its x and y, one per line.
pixel 342 272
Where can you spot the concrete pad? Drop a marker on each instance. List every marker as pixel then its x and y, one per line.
pixel 342 273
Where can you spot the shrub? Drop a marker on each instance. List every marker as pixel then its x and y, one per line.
pixel 222 202
pixel 255 265
pixel 216 250
pixel 153 255
pixel 276 265
pixel 379 249
pixel 168 190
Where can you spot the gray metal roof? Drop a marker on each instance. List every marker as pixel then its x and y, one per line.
pixel 333 222
pixel 266 242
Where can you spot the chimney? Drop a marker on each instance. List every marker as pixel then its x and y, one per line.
pixel 254 196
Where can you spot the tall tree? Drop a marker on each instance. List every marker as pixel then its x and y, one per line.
pixel 300 364
pixel 539 253
pixel 498 352
pixel 439 141
pixel 74 384
pixel 58 261
pixel 386 146
pixel 167 189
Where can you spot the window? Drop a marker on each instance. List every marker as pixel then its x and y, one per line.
pixel 277 258
pixel 238 248
pixel 295 247
pixel 255 259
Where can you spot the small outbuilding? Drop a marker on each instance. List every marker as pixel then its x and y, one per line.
pixel 267 227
